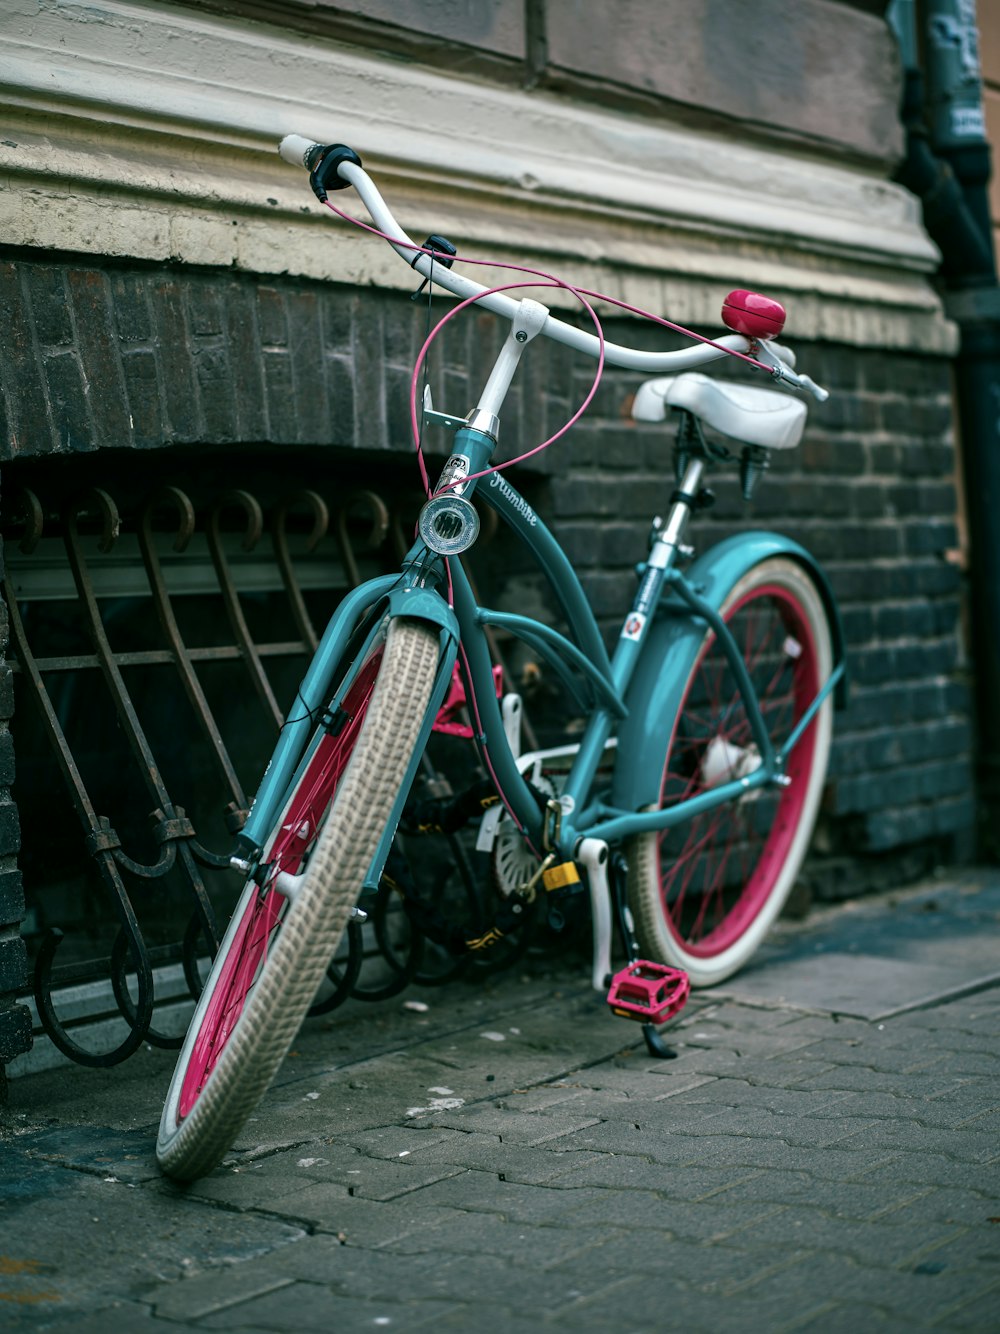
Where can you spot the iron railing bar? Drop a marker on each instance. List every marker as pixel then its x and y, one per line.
pixel 378 529
pixel 163 657
pixel 124 707
pixel 170 628
pixel 252 512
pixel 97 970
pixel 321 521
pixel 32 672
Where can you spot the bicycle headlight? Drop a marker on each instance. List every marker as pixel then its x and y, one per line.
pixel 448 524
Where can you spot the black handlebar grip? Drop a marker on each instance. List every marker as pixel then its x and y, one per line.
pixel 323 173
pixel 321 161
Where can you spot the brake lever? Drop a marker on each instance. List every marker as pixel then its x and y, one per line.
pixel 782 371
pixel 818 392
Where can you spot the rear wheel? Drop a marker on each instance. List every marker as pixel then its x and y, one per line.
pixel 703 894
pixel 279 942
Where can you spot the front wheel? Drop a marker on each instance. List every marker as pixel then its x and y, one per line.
pixel 704 893
pixel 278 945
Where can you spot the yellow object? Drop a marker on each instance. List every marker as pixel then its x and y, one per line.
pixel 558 877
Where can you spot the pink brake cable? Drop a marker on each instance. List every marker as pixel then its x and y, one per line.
pixel 543 279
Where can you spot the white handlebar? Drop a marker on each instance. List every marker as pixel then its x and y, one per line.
pixel 506 306
pixel 296 150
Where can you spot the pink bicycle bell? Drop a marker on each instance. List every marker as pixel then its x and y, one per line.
pixel 753 315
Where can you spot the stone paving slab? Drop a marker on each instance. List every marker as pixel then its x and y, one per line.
pixel 75 1239
pixel 512 1159
pixel 887 958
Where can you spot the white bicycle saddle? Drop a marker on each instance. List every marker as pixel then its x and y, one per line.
pixel 745 412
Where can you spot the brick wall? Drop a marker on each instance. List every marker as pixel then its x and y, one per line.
pixel 139 357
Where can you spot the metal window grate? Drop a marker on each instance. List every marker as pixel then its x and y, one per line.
pixel 154 647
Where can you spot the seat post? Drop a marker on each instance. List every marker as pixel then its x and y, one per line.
pixel 684 499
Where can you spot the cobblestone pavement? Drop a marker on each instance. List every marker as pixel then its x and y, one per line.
pixel 512 1159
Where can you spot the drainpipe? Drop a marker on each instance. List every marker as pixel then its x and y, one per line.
pixel 947 165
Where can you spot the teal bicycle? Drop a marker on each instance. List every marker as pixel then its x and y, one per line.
pixel 684 809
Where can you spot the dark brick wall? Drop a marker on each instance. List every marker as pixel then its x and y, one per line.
pixel 142 358
pixel 139 357
pixel 158 357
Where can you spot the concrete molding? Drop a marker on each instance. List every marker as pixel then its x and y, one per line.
pixel 147 131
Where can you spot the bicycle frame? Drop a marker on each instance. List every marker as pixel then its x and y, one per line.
pixel 637 692
pixel 638 689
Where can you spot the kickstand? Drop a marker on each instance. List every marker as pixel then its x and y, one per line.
pixel 655 1044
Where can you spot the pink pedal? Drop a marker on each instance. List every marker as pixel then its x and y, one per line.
pixel 649 992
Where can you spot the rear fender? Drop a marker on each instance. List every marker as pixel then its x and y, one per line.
pixel 656 691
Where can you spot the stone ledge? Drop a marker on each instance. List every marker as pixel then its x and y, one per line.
pixel 159 145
